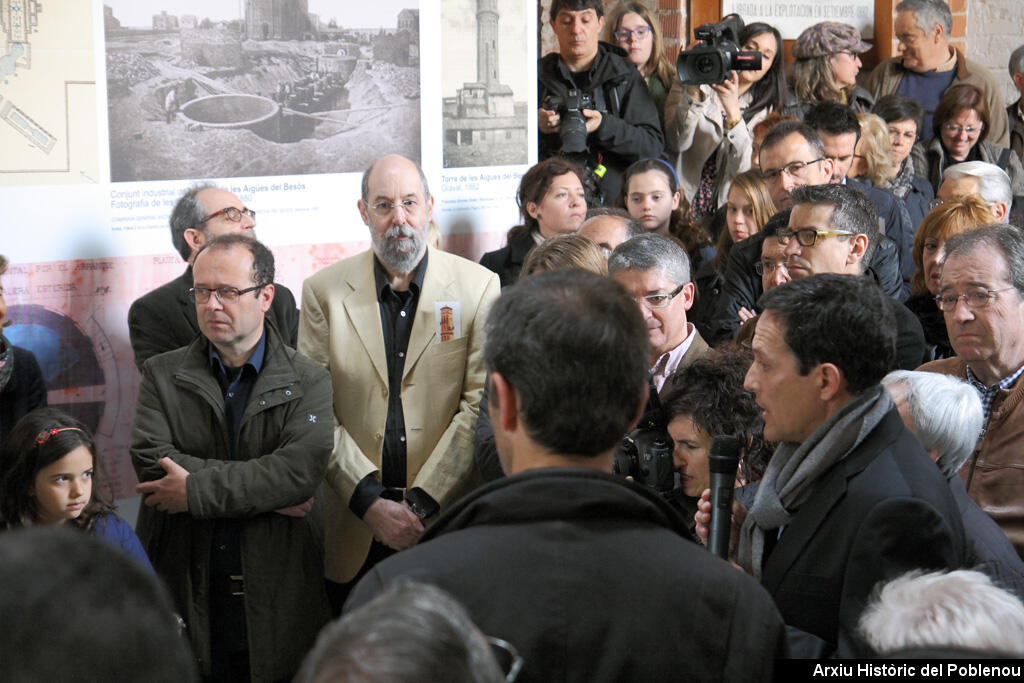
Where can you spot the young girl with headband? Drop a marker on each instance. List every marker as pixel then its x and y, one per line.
pixel 48 476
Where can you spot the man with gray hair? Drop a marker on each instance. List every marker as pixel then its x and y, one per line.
pixel 945 415
pixel 833 229
pixel 1015 112
pixel 927 65
pixel 400 328
pixel 987 181
pixel 165 318
pixel 981 294
pixel 655 270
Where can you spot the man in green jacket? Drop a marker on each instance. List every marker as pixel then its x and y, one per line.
pixel 231 438
pixel 928 65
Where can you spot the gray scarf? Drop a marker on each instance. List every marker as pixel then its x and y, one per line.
pixel 6 362
pixel 794 469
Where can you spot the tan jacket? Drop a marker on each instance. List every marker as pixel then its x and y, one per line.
pixel 886 77
pixel 340 328
pixel 994 475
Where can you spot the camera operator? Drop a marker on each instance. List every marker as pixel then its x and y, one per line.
pixel 595 108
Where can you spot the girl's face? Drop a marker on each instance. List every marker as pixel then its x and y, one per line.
pixel 63 488
pixel 650 201
pixel 961 132
pixel 902 136
pixel 766 45
pixel 739 215
pixel 563 207
pixel 931 258
pixel 627 35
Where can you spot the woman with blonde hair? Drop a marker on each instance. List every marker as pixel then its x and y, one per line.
pixel 632 27
pixel 571 251
pixel 827 63
pixel 872 157
pixel 952 217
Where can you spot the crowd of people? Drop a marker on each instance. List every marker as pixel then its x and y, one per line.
pixel 435 469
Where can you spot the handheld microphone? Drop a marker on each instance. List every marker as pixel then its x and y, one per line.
pixel 722 463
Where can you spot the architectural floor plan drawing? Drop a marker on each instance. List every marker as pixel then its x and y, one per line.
pixel 46 57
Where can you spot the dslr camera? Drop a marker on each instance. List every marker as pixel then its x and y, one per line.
pixel 573 132
pixel 645 456
pixel 719 55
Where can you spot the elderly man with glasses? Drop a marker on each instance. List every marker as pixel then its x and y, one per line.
pixel 981 294
pixel 165 318
pixel 231 439
pixel 400 328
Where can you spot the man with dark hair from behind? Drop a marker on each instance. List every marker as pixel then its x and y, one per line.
pixel 839 130
pixel 74 608
pixel 410 632
pixel 560 557
pixel 849 497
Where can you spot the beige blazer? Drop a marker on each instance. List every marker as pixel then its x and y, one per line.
pixel 340 327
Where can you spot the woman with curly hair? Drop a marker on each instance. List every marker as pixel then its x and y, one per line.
pixel 949 218
pixel 632 27
pixel 872 157
pixel 49 470
pixel 707 399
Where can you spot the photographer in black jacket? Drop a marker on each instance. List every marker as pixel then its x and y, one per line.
pixel 594 105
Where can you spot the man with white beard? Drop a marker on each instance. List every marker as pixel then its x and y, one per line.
pixel 400 329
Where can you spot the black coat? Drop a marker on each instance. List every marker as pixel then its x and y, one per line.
pixel 883 510
pixel 508 261
pixel 893 214
pixel 630 127
pixel 989 550
pixel 25 390
pixel 165 318
pixel 592 579
pixel 933 322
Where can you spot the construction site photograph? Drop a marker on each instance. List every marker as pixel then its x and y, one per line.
pixel 226 88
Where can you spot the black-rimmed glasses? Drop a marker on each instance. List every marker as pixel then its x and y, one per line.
pixel 201 295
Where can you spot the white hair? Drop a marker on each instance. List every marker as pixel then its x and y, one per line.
pixel 957 609
pixel 946 412
pixel 993 183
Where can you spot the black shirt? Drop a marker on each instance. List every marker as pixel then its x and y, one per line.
pixel 397 312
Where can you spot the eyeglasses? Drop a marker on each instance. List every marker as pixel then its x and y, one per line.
pixel 232 214
pixel 623 35
pixel 896 135
pixel 974 298
pixel 851 55
pixel 201 295
pixel 768 267
pixel 954 129
pixel 385 209
pixel 807 237
pixel 509 660
pixel 794 169
pixel 655 301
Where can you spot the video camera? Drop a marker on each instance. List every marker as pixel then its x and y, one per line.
pixel 574 124
pixel 718 56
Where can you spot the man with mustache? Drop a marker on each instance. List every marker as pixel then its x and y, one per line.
pixel 655 270
pixel 400 328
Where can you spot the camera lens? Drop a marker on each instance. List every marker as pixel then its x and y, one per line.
pixel 705 64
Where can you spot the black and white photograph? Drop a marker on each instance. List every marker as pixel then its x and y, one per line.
pixel 242 88
pixel 485 81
